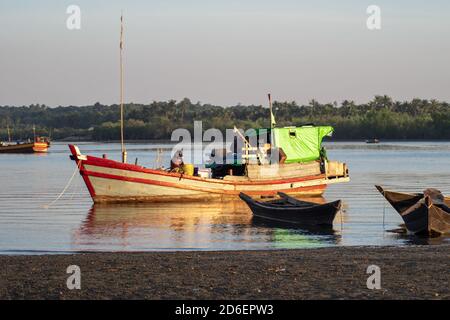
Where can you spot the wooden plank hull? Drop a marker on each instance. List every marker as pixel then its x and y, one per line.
pixel 420 214
pixel 426 218
pixel 33 147
pixel 113 181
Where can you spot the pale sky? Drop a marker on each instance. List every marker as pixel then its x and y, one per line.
pixel 223 52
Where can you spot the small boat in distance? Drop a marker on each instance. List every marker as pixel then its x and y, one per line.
pixel 426 213
pixel 39 145
pixel 372 141
pixel 291 210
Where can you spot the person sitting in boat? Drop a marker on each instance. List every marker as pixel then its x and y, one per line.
pixel 273 152
pixel 176 163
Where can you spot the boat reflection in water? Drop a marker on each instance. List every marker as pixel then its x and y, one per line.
pixel 422 241
pixel 190 226
pixel 401 234
pixel 289 236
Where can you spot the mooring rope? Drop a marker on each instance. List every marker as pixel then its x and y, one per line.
pixel 65 188
pixel 76 188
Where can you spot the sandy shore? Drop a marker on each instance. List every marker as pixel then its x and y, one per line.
pixel 329 273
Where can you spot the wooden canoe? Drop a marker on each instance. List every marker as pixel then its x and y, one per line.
pixel 422 213
pixel 291 210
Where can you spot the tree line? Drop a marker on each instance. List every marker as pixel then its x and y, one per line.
pixel 380 118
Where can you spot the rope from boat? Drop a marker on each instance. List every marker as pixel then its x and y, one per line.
pixel 77 188
pixel 65 188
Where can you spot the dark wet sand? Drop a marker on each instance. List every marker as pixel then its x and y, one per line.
pixel 329 273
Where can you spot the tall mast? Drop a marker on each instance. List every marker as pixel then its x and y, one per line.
pixel 272 117
pixel 124 152
pixel 9 133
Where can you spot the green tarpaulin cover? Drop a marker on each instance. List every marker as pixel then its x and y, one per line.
pixel 301 144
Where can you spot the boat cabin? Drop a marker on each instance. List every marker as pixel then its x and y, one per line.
pixel 274 153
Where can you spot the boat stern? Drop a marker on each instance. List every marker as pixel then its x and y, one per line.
pixel 40 147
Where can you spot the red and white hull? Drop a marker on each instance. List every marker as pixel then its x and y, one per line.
pixel 113 181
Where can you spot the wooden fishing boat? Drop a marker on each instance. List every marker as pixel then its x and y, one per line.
pixel 290 210
pixel 39 144
pixel 24 147
pixel 426 213
pixel 114 181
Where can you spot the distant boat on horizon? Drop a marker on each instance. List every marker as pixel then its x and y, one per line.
pixel 38 145
pixel 374 140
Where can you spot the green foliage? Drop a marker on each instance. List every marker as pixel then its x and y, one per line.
pixel 382 118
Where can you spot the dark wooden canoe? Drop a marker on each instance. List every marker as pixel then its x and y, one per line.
pixel 423 214
pixel 290 210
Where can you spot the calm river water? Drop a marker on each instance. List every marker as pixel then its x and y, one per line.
pixel 29 183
